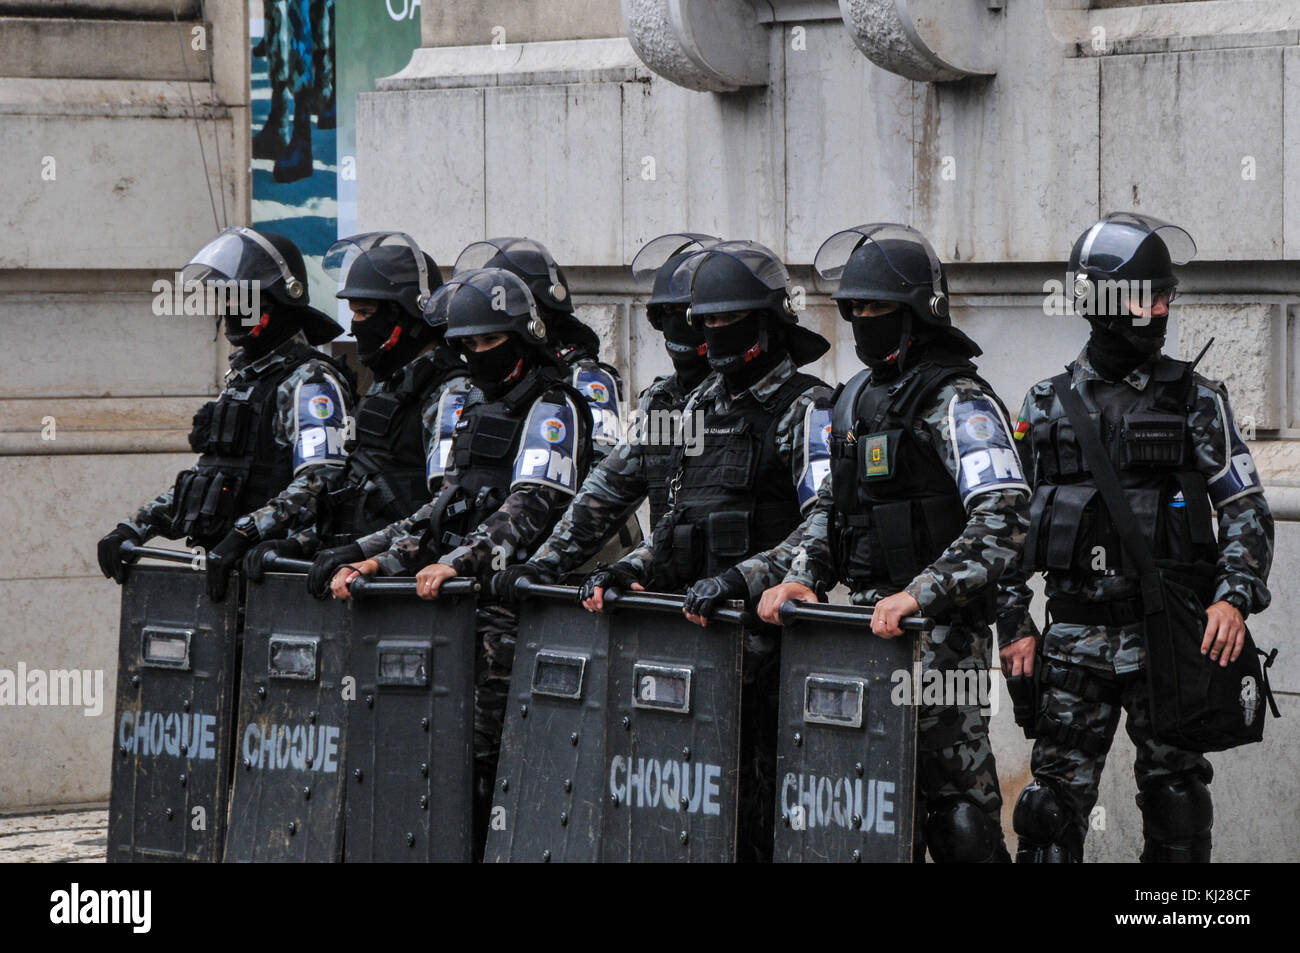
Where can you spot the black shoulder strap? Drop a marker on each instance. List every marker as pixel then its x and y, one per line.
pixel 844 415
pixel 1112 493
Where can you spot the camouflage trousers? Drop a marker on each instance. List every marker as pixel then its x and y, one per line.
pixel 1081 720
pixel 954 758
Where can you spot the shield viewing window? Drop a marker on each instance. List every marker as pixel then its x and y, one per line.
pixel 559 674
pixel 662 687
pixel 165 648
pixel 293 656
pixel 833 701
pixel 403 663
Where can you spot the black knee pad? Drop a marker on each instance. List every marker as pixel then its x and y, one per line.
pixel 958 832
pixel 1177 815
pixel 1046 828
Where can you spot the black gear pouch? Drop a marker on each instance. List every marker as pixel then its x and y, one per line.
pixel 201 431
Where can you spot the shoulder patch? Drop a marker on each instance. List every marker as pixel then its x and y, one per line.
pixel 601 390
pixel 1238 476
pixel 319 422
pixel 548 452
pixel 986 458
pixel 450 406
pixel 816 452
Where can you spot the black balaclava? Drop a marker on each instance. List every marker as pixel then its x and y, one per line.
pixel 1114 353
pixel 882 341
pixel 277 324
pixel 384 344
pixel 744 350
pixel 685 346
pixel 495 370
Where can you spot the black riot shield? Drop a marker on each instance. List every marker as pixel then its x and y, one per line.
pixel 287 799
pixel 673 732
pixel 411 730
pixel 548 802
pixel 846 754
pixel 174 715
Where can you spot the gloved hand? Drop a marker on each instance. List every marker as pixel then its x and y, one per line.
pixel 606 577
pixel 503 583
pixel 289 548
pixel 704 596
pixel 110 563
pixel 327 563
pixel 222 559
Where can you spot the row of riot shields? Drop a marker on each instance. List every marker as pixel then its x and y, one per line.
pixel 328 731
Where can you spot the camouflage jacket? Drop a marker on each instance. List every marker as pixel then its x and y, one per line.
pixel 988 545
pixel 507 535
pixel 614 489
pixel 1245 533
pixel 296 504
pixel 712 398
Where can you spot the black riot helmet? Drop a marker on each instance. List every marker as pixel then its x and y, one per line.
pixel 1127 247
pixel 654 265
pixel 275 267
pixel 884 261
pixel 488 301
pixel 528 259
pixel 383 266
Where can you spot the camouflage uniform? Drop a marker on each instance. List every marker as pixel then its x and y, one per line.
pixel 296 505
pixel 609 495
pixel 955 759
pixel 1114 656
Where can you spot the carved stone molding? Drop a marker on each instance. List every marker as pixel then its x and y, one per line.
pixel 934 41
pixel 709 45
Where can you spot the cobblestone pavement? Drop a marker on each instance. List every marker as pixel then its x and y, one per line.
pixel 77 837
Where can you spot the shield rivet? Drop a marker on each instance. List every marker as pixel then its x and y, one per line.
pixel 125 751
pixel 424 802
pixel 857 820
pixel 248 765
pixel 683 838
pixel 613 799
pixel 857 856
pixel 785 819
pixel 798 739
pixel 424 770
pixel 185 749
pixel 857 769
pixel 546 856
pixel 135 679
pixel 568 785
pixel 573 738
pixel 170 813
pixel 293 828
pixel 410 839
pixel 627 723
pixel 182 780
pixel 261 691
pixel 686 753
pixel 685 802
pixel 564 818
pixel 357 774
pixel 523 711
pixel 311 717
pixel 186 704
pixel 370 701
pixel 424 723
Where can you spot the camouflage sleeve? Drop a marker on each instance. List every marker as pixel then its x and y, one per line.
pixel 1013 593
pixel 615 487
pixel 397 546
pixel 311 413
pixel 151 519
pixel 1237 494
pixel 640 561
pixel 511 533
pixel 803 557
pixel 974 439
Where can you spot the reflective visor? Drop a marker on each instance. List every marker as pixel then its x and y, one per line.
pixel 657 252
pixel 835 252
pixel 1112 242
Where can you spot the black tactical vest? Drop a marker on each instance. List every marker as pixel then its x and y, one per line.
pixel 387 469
pixel 240 465
pixel 483 449
pixel 897 507
pixel 1149 442
pixel 735 498
pixel 657 458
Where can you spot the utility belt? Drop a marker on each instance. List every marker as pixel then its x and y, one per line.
pixel 691 545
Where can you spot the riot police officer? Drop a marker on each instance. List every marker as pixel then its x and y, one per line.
pixel 924 508
pixel 639 466
pixel 395 460
pixel 277 426
pixel 1171 436
pixel 520 451
pixel 745 491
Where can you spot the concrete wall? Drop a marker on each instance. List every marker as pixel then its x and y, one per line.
pixel 580 144
pixel 114 165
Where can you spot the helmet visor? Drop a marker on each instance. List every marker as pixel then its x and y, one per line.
pixel 240 254
pixel 393 255
pixel 502 290
pixel 1112 242
pixel 659 251
pixel 759 260
pixel 835 252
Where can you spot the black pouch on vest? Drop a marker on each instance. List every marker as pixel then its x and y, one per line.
pixel 729 535
pixel 201 432
pixel 1152 439
pixel 893 522
pixel 231 424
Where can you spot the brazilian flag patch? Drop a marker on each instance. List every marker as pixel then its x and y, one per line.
pixel 877 455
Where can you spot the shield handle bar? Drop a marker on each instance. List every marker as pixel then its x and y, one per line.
pixel 614 599
pixel 390 586
pixel 130 552
pixel 795 611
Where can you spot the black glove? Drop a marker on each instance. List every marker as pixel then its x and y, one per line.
pixel 327 563
pixel 222 559
pixel 289 548
pixel 503 583
pixel 110 562
pixel 703 596
pixel 607 577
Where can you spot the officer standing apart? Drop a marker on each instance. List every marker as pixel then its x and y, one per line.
pixel 1171 436
pixel 275 435
pixel 520 451
pixel 639 466
pixel 394 461
pixel 746 490
pixel 925 508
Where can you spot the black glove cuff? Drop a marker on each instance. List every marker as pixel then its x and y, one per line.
pixel 1008 625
